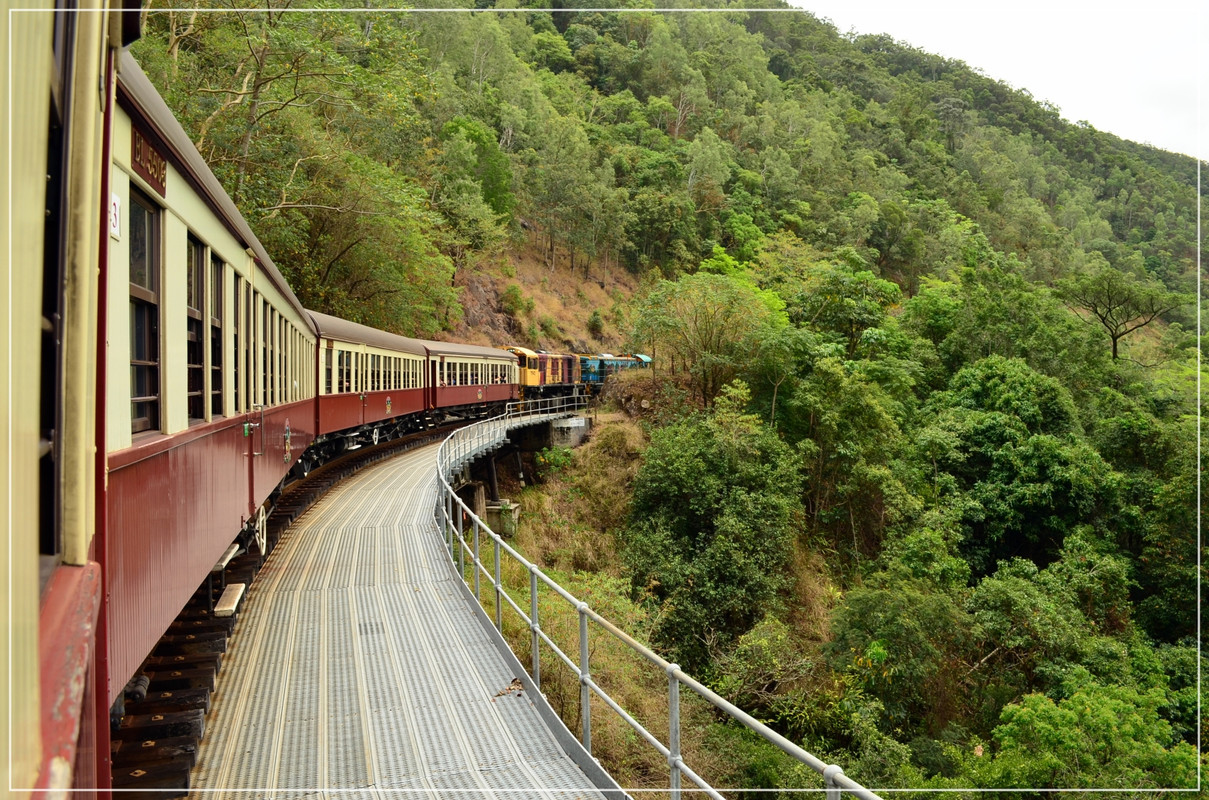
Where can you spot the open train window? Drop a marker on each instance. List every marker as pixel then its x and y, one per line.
pixel 54 239
pixel 283 377
pixel 216 344
pixel 144 313
pixel 237 371
pixel 265 368
pixel 195 264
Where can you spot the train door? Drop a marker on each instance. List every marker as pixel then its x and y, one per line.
pixel 430 392
pixel 363 383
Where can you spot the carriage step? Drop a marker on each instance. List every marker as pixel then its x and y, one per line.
pixel 228 604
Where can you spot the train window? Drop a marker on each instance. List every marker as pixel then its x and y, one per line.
pixel 195 260
pixel 266 348
pixel 144 219
pixel 282 360
pixel 327 369
pixel 216 343
pixel 275 345
pixel 249 347
pixel 236 372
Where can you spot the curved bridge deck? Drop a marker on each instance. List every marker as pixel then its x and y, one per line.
pixel 358 664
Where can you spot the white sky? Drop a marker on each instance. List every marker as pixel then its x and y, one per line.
pixel 1139 70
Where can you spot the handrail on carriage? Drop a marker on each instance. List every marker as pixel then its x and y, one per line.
pixel 464 445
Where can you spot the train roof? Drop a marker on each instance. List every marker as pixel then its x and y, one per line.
pixel 468 351
pixel 135 88
pixel 523 351
pixel 342 330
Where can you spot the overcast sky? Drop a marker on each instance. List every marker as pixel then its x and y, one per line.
pixel 1137 69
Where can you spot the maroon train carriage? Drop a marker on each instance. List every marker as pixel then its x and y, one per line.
pixel 470 381
pixel 210 376
pixel 371 387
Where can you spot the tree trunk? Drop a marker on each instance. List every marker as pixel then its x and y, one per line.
pixel 245 143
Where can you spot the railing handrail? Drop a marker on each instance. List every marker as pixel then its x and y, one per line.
pixel 466 443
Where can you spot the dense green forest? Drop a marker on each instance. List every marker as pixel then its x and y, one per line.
pixel 919 341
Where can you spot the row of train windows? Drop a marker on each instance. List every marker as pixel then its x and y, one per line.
pixel 265 343
pixel 346 371
pixel 460 373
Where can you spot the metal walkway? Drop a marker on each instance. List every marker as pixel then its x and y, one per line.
pixel 358 664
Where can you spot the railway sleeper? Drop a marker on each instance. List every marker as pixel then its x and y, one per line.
pixel 196 678
pixel 209 624
pixel 151 751
pixel 190 644
pixel 141 727
pixel 193 661
pixel 152 780
pixel 171 701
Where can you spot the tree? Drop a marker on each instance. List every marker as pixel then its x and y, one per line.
pixel 1121 301
pixel 708 325
pixel 845 301
pixel 1102 737
pixel 711 527
pixel 906 641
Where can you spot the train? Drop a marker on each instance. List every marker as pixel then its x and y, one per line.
pixel 164 383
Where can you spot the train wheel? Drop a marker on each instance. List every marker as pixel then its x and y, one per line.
pixel 262 531
pixel 374 436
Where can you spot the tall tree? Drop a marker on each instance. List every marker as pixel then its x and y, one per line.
pixel 707 324
pixel 1121 301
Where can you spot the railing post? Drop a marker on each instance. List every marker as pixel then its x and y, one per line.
pixel 673 734
pixel 499 623
pixel 585 694
pixel 448 521
pixel 461 538
pixel 829 780
pixel 477 563
pixel 534 628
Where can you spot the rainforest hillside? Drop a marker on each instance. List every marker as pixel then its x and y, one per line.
pixel 917 481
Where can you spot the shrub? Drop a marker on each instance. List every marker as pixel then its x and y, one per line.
pixel 514 302
pixel 596 324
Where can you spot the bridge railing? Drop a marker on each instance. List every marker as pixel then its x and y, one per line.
pixel 452 516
